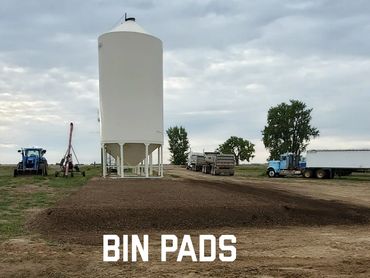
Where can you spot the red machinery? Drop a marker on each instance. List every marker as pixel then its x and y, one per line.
pixel 66 164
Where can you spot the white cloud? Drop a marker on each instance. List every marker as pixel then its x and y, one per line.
pixel 36 107
pixel 13 69
pixel 7 146
pixel 176 83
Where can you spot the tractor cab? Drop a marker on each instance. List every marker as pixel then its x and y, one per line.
pixel 31 157
pixel 32 162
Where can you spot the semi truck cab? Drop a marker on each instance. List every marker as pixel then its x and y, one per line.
pixel 289 164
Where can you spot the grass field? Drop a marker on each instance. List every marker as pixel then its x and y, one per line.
pixel 254 170
pixel 21 195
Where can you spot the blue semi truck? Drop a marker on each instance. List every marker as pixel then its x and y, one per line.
pixel 321 163
pixel 289 164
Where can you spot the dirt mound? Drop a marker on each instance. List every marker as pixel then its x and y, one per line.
pixel 139 206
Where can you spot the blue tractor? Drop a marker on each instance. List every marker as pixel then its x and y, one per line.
pixel 33 162
pixel 289 164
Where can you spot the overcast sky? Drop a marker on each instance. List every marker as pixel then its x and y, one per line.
pixel 225 64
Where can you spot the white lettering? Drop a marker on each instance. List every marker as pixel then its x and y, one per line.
pixel 187 244
pixel 125 248
pixel 164 248
pixel 208 248
pixel 107 247
pixel 202 253
pixel 136 246
pixel 229 248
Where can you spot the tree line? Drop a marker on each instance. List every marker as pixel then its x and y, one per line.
pixel 288 129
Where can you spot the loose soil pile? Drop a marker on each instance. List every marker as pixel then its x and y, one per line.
pixel 140 206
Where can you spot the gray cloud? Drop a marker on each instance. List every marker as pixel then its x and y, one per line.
pixel 226 63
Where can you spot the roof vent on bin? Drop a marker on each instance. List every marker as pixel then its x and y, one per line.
pixel 129 18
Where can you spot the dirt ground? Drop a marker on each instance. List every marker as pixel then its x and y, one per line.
pixel 284 227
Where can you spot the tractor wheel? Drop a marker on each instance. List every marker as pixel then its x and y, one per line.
pixel 307 173
pixel 271 173
pixel 41 170
pixel 321 174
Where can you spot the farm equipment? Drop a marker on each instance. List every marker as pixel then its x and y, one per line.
pixel 67 167
pixel 33 162
pixel 321 163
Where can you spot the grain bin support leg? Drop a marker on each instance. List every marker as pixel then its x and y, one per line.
pixel 161 160
pixel 151 164
pixel 118 164
pixel 146 161
pixel 104 162
pixel 122 165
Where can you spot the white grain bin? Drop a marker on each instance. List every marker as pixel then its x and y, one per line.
pixel 131 100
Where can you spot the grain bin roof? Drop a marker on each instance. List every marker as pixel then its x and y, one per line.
pixel 129 26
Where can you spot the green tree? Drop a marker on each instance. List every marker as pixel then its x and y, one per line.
pixel 179 144
pixel 288 129
pixel 241 149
